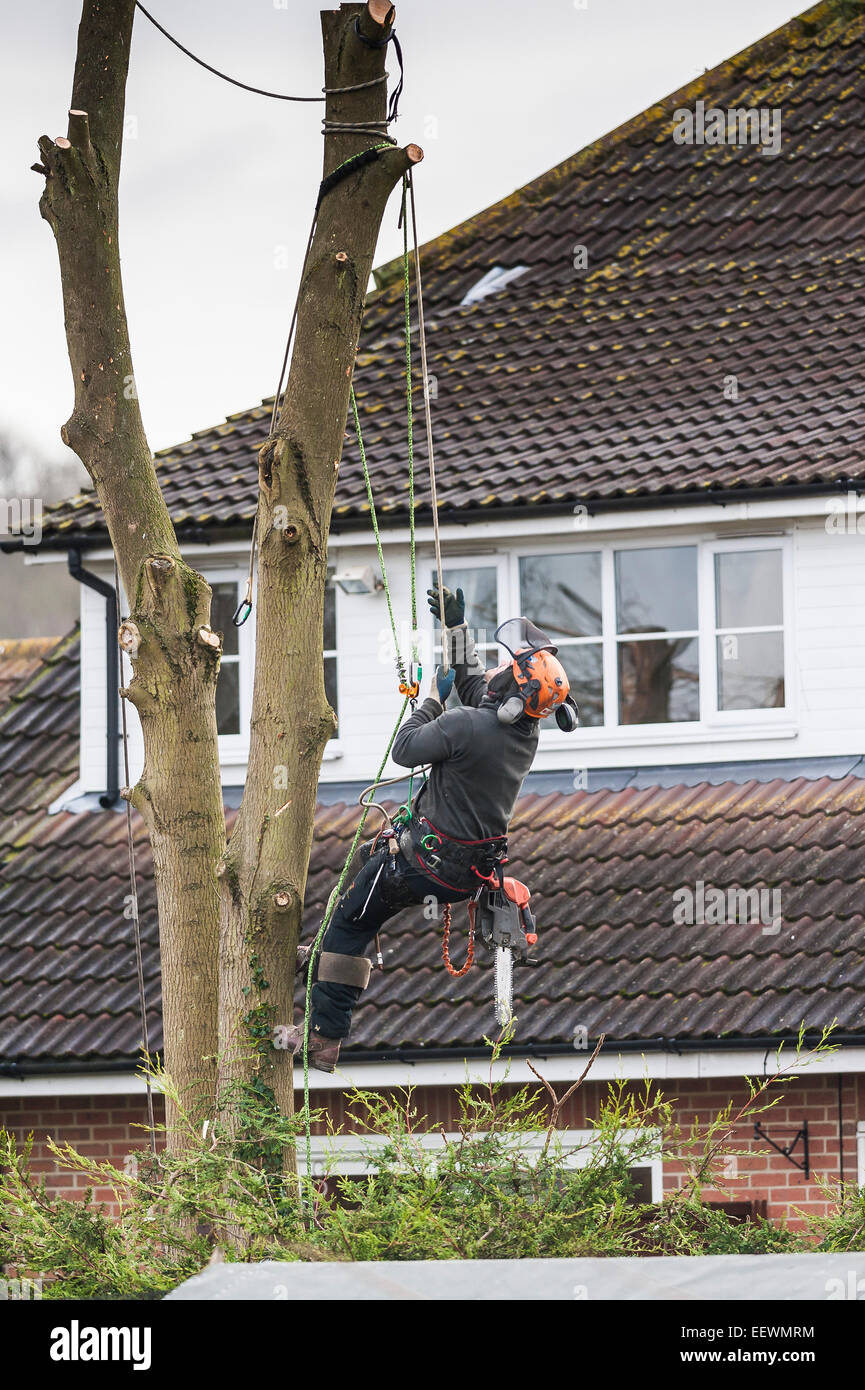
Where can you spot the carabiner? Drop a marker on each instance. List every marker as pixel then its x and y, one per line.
pixel 245 603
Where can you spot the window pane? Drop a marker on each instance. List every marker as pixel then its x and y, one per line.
pixel 228 698
pixel 329 615
pixel 748 588
pixel 330 682
pixel 222 609
pixel 659 682
pixel 480 588
pixel 584 666
pixel 656 590
pixel 562 593
pixel 751 670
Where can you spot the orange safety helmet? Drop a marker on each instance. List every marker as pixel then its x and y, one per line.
pixel 541 680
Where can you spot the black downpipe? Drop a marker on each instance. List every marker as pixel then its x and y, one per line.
pixel 112 674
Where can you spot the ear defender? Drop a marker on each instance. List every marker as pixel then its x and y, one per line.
pixel 568 716
pixel 510 710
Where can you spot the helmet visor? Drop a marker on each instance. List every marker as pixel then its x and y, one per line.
pixel 520 635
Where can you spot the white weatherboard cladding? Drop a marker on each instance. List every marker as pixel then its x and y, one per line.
pixel 825 641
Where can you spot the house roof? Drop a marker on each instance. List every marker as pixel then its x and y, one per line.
pixel 604 868
pixel 20 657
pixel 607 385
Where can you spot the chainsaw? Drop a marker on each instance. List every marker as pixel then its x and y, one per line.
pixel 501 915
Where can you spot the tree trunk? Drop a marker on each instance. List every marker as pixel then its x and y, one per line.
pixel 175 657
pixel 264 874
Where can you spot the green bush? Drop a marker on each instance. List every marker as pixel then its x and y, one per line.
pixel 504 1186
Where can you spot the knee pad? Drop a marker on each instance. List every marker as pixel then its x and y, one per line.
pixel 337 969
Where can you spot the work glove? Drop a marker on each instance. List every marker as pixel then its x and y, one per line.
pixel 444 683
pixel 455 605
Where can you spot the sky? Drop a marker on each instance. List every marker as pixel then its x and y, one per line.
pixel 218 184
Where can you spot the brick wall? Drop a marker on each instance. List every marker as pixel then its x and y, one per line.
pixel 104 1127
pixel 100 1126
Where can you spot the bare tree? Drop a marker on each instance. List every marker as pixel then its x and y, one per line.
pixel 228 918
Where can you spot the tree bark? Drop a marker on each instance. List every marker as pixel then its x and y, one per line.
pixel 264 873
pixel 232 915
pixel 174 665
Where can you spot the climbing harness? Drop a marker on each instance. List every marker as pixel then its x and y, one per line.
pixel 133 898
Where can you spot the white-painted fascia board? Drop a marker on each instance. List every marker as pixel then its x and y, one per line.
pixel 657 1066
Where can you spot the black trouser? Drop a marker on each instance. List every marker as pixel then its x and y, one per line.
pixel 360 912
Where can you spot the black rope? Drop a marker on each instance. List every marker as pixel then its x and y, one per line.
pixel 393 105
pixel 260 91
pixel 278 96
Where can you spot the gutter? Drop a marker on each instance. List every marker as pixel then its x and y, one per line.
pixel 673 1046
pixel 112 675
pixel 720 497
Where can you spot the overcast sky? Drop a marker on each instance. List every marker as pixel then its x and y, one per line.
pixel 218 184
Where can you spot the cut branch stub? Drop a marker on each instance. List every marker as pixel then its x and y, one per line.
pixel 78 130
pixel 209 638
pixel 129 639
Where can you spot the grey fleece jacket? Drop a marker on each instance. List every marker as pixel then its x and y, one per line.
pixel 478 763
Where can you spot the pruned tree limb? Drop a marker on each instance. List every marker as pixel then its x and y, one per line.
pixel 268 855
pixel 174 674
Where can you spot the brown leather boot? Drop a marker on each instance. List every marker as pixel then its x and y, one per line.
pixel 301 964
pixel 323 1052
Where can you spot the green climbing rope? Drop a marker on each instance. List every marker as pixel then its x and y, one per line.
pixel 415 665
pixel 334 899
pixel 400 665
pixel 408 413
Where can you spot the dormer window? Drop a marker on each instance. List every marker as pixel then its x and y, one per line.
pixel 494 280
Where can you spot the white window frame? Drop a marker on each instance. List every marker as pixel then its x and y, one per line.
pixel 353 1155
pixel 712 721
pixel 334 748
pixel 497 560
pixel 234 748
pixel 718 718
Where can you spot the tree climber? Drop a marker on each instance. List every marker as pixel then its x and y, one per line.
pixel 480 753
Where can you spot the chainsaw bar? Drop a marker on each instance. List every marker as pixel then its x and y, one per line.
pixel 504 985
